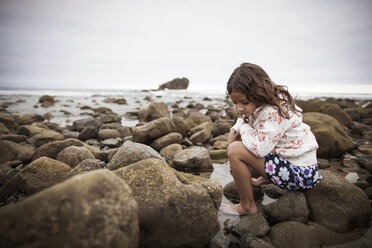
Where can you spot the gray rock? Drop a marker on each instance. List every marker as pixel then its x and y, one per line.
pixel 51 150
pixel 170 151
pixel 193 159
pixel 337 204
pixel 73 155
pixel 111 143
pixel 175 84
pixel 130 153
pixel 175 209
pixel 181 125
pixel 79 125
pixel 88 132
pixel 254 224
pixel 250 241
pixel 154 111
pixel 230 191
pixel 95 209
pixel 289 207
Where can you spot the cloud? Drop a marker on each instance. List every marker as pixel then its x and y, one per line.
pixel 142 44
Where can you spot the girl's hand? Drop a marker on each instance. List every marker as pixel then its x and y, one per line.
pixel 237 137
pixel 233 136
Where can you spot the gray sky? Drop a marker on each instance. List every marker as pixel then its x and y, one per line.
pixel 318 45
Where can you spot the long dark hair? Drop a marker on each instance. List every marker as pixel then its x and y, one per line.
pixel 253 81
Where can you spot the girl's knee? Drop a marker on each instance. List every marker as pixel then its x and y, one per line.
pixel 235 149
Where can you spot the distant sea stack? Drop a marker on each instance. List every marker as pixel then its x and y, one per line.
pixel 175 84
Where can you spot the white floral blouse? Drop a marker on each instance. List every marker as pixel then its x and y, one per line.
pixel 265 131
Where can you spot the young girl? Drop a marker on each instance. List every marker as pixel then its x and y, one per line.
pixel 269 136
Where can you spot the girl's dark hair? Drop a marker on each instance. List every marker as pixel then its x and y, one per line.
pixel 253 81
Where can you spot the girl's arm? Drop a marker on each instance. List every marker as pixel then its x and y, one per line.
pixel 262 139
pixel 234 134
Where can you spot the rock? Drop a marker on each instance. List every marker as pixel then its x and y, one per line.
pixel 8 121
pixel 45 137
pixel 108 134
pixel 14 137
pixel 366 149
pixel 250 241
pixel 220 127
pixel 155 111
pixel 111 143
pixel 230 191
pixel 170 138
pixel 193 159
pixel 73 155
pixel 10 150
pixel 203 135
pixel 30 130
pixel 88 132
pixel 170 151
pixel 198 119
pixel 273 191
pixel 70 134
pixel 80 124
pixel 337 204
pixel 338 113
pixel 293 234
pixel 152 130
pixel 39 174
pixel 219 144
pixel 181 125
pixel 291 206
pixel 3 128
pixel 46 100
pixel 130 153
pixel 330 238
pixel 313 105
pixel 124 131
pixel 28 119
pixel 332 139
pixel 95 209
pixel 51 150
pixel 218 156
pixel 254 224
pixel 175 84
pixel 120 101
pixel 175 209
pixel 83 167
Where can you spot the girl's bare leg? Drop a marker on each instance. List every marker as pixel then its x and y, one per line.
pixel 240 158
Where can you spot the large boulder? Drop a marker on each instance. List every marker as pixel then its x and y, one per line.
pixel 194 159
pixel 39 174
pixel 73 155
pixel 46 101
pixel 130 153
pixel 95 209
pixel 337 204
pixel 293 234
pixel 28 119
pixel 338 113
pixel 197 119
pixel 175 84
pixel 201 133
pixel 332 139
pixel 154 111
pixel 181 125
pixel 152 130
pixel 175 209
pixel 291 206
pixel 10 150
pixel 9 121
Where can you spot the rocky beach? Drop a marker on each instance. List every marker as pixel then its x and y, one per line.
pixel 150 169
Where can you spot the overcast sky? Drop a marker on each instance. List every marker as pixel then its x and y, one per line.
pixel 318 45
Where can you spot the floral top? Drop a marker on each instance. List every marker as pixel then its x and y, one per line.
pixel 266 131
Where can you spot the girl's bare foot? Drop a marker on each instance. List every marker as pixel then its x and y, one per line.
pixel 243 210
pixel 259 181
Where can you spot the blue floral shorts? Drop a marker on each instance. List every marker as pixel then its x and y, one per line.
pixel 286 176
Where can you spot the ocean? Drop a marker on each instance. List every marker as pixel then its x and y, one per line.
pixel 71 103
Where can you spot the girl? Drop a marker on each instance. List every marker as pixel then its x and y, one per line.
pixel 269 136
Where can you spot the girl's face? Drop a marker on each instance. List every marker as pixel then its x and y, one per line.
pixel 242 105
